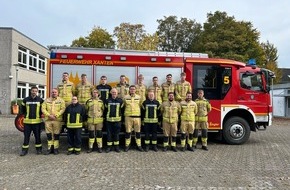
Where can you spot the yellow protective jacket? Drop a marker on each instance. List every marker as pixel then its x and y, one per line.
pixel 188 110
pixel 166 88
pixel 66 90
pixel 95 110
pixel 181 88
pixel 157 92
pixel 132 105
pixel 203 108
pixel 53 106
pixel 123 90
pixel 141 90
pixel 170 111
pixel 84 92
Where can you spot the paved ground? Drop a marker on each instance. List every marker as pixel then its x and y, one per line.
pixel 262 163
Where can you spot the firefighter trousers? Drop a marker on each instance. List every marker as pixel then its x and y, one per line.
pixel 150 129
pixel 74 139
pixel 113 131
pixel 36 129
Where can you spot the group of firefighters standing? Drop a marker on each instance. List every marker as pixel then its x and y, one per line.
pixel 135 106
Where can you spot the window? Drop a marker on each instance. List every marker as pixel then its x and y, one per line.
pixel 215 81
pixel 32 61
pixel 41 91
pixel 251 81
pixel 41 64
pixel 22 90
pixel 22 57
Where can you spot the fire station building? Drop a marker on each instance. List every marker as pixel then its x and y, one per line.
pixel 22 65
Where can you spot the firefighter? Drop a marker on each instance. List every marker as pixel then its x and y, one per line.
pixel 94 110
pixel 74 117
pixel 170 110
pixel 113 113
pixel 31 109
pixel 141 88
pixel 84 90
pixel 66 89
pixel 203 108
pixel 150 114
pixel 104 89
pixel 122 87
pixel 132 118
pixel 53 108
pixel 167 87
pixel 188 111
pixel 156 89
pixel 182 87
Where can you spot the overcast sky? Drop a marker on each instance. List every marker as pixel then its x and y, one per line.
pixel 59 22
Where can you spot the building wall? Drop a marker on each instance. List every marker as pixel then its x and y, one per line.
pixel 280 100
pixel 10 40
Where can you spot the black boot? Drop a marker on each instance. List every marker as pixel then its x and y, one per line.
pixel 140 148
pixel 174 148
pixel 117 149
pixel 146 148
pixel 100 150
pixel 39 150
pixel 204 148
pixel 190 148
pixel 165 149
pixel 108 149
pixel 23 152
pixel 55 151
pixel 90 150
pixel 183 149
pixel 155 148
pixel 127 148
pixel 48 151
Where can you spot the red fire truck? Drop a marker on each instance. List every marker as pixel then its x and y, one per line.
pixel 238 93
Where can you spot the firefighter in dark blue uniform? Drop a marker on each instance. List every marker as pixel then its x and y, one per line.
pixel 150 114
pixel 31 108
pixel 113 115
pixel 74 116
pixel 104 89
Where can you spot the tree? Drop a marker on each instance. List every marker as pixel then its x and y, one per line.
pixel 270 60
pixel 224 37
pixel 177 35
pixel 134 36
pixel 97 38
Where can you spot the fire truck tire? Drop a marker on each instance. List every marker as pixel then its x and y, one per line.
pixel 18 122
pixel 236 131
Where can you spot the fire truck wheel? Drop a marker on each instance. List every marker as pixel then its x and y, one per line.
pixel 236 131
pixel 18 122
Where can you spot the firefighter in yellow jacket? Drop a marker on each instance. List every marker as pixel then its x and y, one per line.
pixel 84 90
pixel 141 88
pixel 182 87
pixel 66 89
pixel 157 89
pixel 167 87
pixel 122 87
pixel 53 108
pixel 95 109
pixel 187 116
pixel 132 118
pixel 170 110
pixel 203 108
